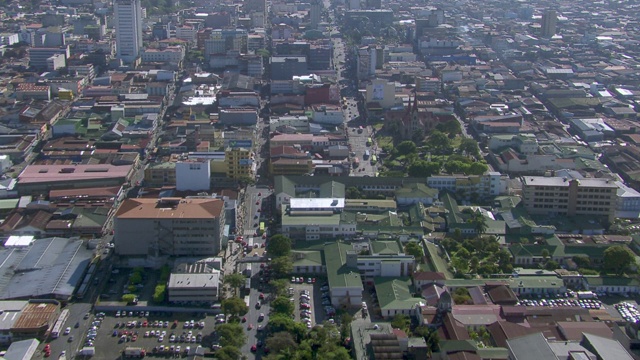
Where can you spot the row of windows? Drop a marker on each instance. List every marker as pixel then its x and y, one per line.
pixel 598 209
pixel 593 203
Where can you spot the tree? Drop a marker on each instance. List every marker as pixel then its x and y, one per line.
pixel 413 248
pixel 461 296
pixel 234 306
pixel 476 168
pixel 235 281
pixel 422 168
pixel 231 334
pixel 281 341
pixel 470 147
pixel 451 127
pixel 282 305
pixel 430 335
pixel 279 245
pixel 582 261
pixel 406 147
pixel 281 322
pixel 279 286
pixel 474 262
pixel 618 259
pixel 345 325
pixel 545 254
pixel 461 265
pixel 129 298
pixel 551 265
pixel 228 353
pixel 158 294
pixel 440 142
pixel 402 322
pixel 282 266
pixel 135 278
pixel 479 223
pixel 353 193
pixel 456 167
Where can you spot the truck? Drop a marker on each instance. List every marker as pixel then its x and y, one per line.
pixel 87 351
pixel 134 352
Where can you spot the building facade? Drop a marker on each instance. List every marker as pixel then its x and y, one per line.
pixel 169 226
pixel 570 197
pixel 128 24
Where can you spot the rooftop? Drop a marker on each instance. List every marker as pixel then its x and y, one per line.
pixel 395 293
pixel 167 208
pixel 338 274
pixel 66 173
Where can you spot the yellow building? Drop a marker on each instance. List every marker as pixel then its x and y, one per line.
pixel 64 94
pixel 239 162
pixel 160 174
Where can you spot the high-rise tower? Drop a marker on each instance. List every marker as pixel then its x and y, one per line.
pixel 549 19
pixel 128 18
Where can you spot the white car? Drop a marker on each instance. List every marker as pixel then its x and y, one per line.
pixel 161 338
pixel 67 331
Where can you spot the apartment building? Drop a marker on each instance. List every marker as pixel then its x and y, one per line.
pixel 169 226
pixel 562 196
pixel 481 186
pixel 239 162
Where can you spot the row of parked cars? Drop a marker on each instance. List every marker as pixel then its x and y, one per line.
pixel 584 303
pixel 92 333
pixel 163 350
pixel 628 311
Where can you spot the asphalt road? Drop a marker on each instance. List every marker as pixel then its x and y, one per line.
pixel 254 335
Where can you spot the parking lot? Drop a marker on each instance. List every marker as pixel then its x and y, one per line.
pixel 312 295
pixel 151 331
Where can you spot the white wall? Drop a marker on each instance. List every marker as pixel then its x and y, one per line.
pixel 193 175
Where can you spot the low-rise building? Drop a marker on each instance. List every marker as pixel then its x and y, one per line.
pixel 395 296
pixel 195 282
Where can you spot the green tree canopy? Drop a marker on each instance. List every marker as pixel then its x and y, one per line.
pixel 228 353
pixel 231 334
pixel 234 306
pixel 282 305
pixel 235 280
pixel 413 248
pixel 469 146
pixel 279 245
pixel 280 286
pixel 280 341
pixel 422 168
pixel 439 142
pixel 282 266
pixel 402 322
pixel 618 259
pixel 406 147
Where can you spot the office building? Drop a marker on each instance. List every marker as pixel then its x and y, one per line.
pixel 169 227
pixel 239 162
pixel 549 20
pixel 193 175
pixel 195 282
pixel 593 197
pixel 128 23
pixel 314 13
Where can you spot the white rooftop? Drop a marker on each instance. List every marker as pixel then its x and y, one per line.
pixel 19 241
pixel 318 203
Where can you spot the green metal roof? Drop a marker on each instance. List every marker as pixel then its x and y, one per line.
pixel 307 258
pixel 611 281
pixel 395 293
pixel 416 190
pixel 338 274
pixel 386 247
pixel 7 204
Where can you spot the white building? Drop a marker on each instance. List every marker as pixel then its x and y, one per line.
pixel 299 123
pixel 488 185
pixel 170 54
pixel 5 162
pixel 315 219
pixel 328 114
pixel 524 143
pixel 128 24
pixel 187 33
pixel 382 92
pixel 195 282
pixel 193 175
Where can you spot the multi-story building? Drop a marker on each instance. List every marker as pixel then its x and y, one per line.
pixel 128 24
pixel 286 67
pixel 549 20
pixel 366 65
pixel 223 40
pixel 315 219
pixel 239 162
pixel 315 13
pixel 381 91
pixel 488 185
pixel 169 227
pixel 193 175
pixel 596 197
pixel 187 33
pixel 320 57
pixel 39 57
pixel 170 54
pixel 327 114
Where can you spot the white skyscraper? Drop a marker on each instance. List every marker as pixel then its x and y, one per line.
pixel 128 16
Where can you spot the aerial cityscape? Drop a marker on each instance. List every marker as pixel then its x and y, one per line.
pixel 311 180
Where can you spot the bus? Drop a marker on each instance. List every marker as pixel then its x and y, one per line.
pixel 366 154
pixel 374 159
pixel 59 325
pixel 261 227
pixel 369 142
